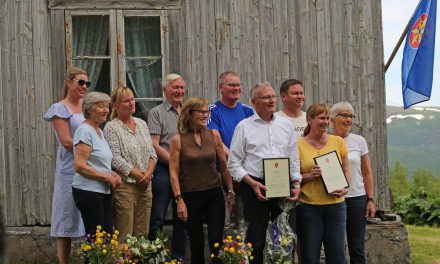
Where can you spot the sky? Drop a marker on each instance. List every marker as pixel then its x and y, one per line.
pixel 395 16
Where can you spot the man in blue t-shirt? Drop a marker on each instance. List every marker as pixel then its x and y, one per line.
pixel 225 115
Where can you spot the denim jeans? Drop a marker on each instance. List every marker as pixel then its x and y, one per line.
pixel 162 195
pixel 208 205
pixel 356 207
pixel 319 224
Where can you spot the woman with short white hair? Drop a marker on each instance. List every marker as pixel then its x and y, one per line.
pixel 94 177
pixel 360 196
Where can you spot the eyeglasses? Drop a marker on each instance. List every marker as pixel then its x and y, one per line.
pixel 81 82
pixel 233 84
pixel 202 112
pixel 267 97
pixel 345 116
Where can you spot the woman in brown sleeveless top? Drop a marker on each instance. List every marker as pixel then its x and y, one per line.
pixel 196 186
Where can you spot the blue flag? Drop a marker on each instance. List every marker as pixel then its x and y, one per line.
pixel 418 55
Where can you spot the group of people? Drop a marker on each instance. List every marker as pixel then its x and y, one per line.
pixel 207 160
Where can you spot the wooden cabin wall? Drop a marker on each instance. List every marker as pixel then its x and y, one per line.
pixel 27 152
pixel 335 47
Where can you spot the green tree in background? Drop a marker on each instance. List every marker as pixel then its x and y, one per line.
pixel 399 182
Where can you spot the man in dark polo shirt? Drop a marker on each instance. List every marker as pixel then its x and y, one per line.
pixel 162 123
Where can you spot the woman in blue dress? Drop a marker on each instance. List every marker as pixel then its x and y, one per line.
pixel 66 115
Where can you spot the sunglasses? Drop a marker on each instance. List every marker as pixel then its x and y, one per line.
pixel 81 82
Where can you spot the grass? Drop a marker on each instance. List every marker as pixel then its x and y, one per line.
pixel 424 244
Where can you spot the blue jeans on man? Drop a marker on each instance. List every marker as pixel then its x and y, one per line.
pixel 162 195
pixel 322 224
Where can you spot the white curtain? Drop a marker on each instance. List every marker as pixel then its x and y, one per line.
pixel 142 38
pixel 90 36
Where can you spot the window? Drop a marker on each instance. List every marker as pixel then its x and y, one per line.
pixel 120 47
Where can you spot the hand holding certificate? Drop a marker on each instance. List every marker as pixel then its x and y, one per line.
pixel 277 177
pixel 332 173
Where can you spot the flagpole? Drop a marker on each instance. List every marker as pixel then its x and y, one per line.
pixel 402 37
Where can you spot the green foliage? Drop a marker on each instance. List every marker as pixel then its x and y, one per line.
pixel 399 182
pixel 419 208
pixel 416 200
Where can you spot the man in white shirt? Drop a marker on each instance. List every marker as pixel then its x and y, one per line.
pixel 292 95
pixel 263 135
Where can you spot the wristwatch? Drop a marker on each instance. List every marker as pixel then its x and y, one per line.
pixel 178 198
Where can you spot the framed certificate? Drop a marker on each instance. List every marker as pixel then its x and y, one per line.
pixel 277 177
pixel 332 173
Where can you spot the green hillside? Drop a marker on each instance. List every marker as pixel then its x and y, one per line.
pixel 415 142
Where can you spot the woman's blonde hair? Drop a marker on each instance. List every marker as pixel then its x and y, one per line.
pixel 116 97
pixel 91 99
pixel 71 74
pixel 191 104
pixel 313 111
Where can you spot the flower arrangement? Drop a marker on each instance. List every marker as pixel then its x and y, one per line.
pixel 103 248
pixel 146 251
pixel 234 251
pixel 280 238
pixel 174 261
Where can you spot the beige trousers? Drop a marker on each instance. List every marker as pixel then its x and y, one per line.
pixel 132 209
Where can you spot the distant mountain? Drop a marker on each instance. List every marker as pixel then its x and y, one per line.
pixel 414 138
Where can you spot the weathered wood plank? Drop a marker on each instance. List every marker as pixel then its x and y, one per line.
pixel 208 50
pixel 14 191
pixel 223 36
pixel 114 4
pixel 294 18
pixel 42 138
pixel 3 178
pixel 309 47
pixel 324 51
pixel 173 41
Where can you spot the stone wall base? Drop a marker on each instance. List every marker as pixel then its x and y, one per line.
pixel 386 242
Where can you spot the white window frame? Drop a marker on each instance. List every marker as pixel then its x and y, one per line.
pixel 117 42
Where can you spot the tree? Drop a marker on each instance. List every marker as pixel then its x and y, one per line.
pixel 399 182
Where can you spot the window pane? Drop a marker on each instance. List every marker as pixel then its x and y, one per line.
pixel 99 73
pixel 142 36
pixel 90 35
pixel 143 108
pixel 143 56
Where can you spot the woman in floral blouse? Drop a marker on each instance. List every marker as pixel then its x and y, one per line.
pixel 134 159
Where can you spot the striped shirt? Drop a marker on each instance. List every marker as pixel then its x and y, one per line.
pixel 162 120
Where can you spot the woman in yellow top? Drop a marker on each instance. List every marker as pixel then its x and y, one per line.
pixel 321 219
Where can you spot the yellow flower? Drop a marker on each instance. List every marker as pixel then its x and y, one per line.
pixel 212 255
pixel 239 244
pixel 116 243
pixel 249 245
pixel 98 234
pixel 225 249
pixel 115 237
pixel 117 232
pixel 249 253
pixel 238 237
pixel 98 241
pixel 216 245
pixel 125 248
pixel 98 227
pixel 251 257
pixel 231 250
pixel 229 237
pixel 104 251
